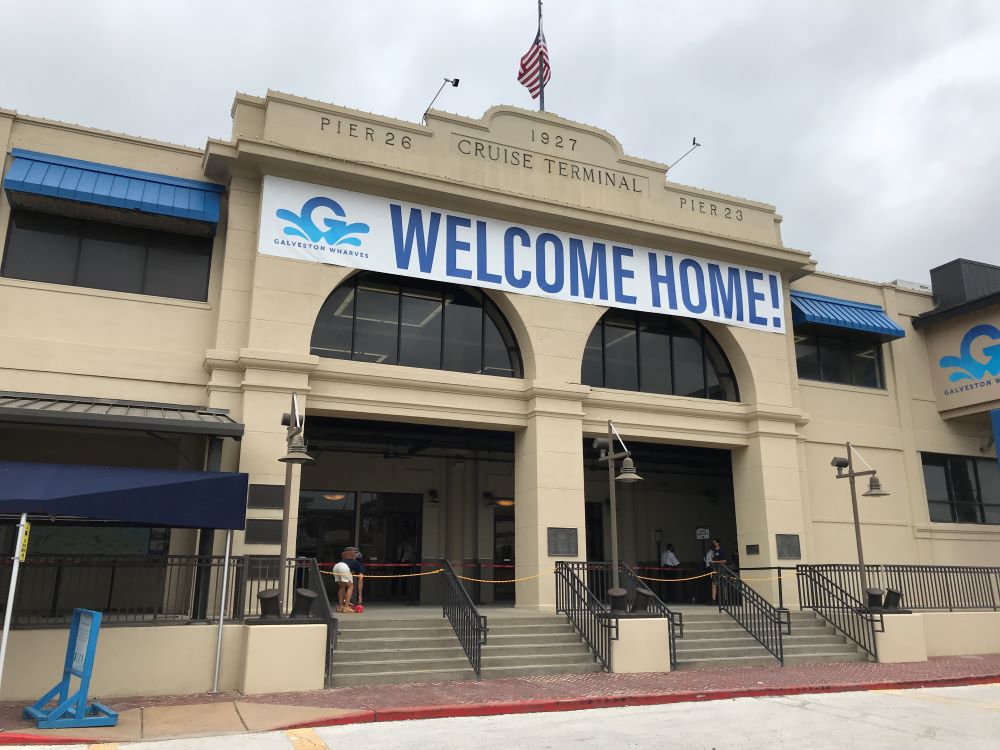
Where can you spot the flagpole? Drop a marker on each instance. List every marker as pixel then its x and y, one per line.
pixel 541 62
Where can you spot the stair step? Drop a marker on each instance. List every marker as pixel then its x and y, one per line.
pixel 341 656
pixel 402 677
pixel 425 665
pixel 718 663
pixel 384 633
pixel 815 658
pixel 497 673
pixel 533 640
pixel 493 661
pixel 347 643
pixel 502 628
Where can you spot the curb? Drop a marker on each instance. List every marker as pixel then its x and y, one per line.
pixel 548 705
pixel 409 713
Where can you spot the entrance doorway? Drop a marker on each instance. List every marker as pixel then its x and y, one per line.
pixel 503 554
pixel 384 525
pixel 407 495
pixel 684 489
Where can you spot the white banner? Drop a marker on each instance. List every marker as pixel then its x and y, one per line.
pixel 327 225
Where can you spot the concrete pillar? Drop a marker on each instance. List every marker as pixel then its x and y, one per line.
pixel 769 501
pixel 455 500
pixel 548 485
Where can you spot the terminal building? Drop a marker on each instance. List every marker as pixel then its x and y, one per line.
pixel 461 307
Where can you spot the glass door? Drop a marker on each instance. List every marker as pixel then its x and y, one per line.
pixel 503 554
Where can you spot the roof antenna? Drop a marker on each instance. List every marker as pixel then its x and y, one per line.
pixel 453 82
pixel 694 145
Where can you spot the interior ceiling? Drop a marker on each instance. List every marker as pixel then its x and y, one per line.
pixel 402 440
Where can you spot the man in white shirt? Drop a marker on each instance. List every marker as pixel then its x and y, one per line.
pixel 669 558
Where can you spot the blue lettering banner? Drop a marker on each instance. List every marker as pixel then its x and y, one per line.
pixel 328 225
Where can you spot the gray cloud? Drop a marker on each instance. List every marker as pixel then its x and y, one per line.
pixel 871 126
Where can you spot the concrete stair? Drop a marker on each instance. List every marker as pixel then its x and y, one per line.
pixel 534 645
pixel 713 639
pixel 379 652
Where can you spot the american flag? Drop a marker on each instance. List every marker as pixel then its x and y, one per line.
pixel 532 64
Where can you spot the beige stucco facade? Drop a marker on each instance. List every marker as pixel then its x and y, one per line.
pixel 248 346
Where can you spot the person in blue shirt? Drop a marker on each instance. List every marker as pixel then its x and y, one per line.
pixel 352 556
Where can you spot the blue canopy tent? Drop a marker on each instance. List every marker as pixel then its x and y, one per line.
pixel 157 497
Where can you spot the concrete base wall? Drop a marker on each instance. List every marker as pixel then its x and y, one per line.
pixel 171 660
pixel 962 633
pixel 642 646
pixel 284 658
pixel 903 640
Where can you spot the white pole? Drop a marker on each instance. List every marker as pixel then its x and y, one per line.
pixel 10 593
pixel 222 610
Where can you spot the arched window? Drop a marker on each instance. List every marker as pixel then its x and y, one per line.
pixel 417 323
pixel 657 354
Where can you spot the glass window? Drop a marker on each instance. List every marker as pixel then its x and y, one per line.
pixel 377 318
pixel 99 255
pixel 689 362
pixel 376 329
pixel 420 337
pixel 989 489
pixel 463 332
pixel 807 356
pixel 718 377
pixel 865 365
pixel 962 489
pixel 178 266
pixel 500 349
pixel 42 248
pixel 112 257
pixel 656 354
pixel 332 333
pixel 620 352
pixel 593 358
pixel 835 361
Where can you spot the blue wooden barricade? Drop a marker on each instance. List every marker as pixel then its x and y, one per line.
pixel 72 710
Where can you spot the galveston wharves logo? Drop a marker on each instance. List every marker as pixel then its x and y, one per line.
pixel 978 362
pixel 338 235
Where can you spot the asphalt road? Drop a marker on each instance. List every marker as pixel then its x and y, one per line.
pixel 960 717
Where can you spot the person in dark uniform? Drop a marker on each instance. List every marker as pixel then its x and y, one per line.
pixel 352 556
pixel 715 556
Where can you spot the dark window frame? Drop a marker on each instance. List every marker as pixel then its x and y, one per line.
pixel 488 309
pixel 83 227
pixel 665 322
pixel 959 509
pixel 855 344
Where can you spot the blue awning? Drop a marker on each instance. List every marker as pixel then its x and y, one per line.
pixel 843 313
pixel 151 497
pixel 102 184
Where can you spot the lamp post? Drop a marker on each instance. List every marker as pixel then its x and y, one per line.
pixel 874 490
pixel 628 474
pixel 296 445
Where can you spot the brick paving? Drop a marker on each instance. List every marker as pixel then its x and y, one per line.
pixel 686 685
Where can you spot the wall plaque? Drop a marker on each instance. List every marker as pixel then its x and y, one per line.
pixel 562 542
pixel 788 546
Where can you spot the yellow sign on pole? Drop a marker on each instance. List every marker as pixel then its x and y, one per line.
pixel 24 541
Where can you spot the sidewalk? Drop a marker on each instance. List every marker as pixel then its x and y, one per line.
pixel 165 717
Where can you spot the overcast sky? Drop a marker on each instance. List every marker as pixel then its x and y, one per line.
pixel 872 125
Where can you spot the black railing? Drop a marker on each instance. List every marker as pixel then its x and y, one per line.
pixel 761 619
pixel 469 625
pixel 588 614
pixel 781 572
pixel 934 587
pixel 154 590
pixel 839 607
pixel 652 603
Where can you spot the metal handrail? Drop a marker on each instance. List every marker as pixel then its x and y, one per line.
pixel 468 624
pixel 929 587
pixel 675 627
pixel 761 619
pixel 588 615
pixel 840 608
